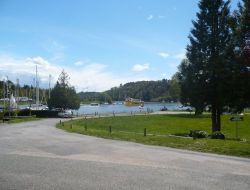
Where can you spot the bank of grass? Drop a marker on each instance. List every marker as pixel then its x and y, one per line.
pixel 19 120
pixel 160 129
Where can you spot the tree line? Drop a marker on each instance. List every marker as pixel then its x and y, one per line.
pixel 28 91
pixel 162 90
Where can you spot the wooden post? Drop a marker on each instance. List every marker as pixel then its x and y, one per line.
pixel 71 126
pixel 145 132
pixel 110 130
pixel 60 121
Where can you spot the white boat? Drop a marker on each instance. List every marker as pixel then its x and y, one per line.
pixel 38 107
pixel 13 104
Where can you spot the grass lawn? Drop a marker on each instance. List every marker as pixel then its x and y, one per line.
pixel 19 120
pixel 159 127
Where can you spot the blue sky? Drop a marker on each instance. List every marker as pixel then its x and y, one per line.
pixel 99 43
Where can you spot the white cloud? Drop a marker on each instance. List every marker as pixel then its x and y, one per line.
pixel 55 48
pixel 163 54
pixel 140 67
pixel 78 63
pixel 37 60
pixel 180 56
pixel 150 17
pixel 164 74
pixel 89 77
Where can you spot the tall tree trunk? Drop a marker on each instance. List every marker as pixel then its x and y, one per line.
pixel 214 118
pixel 218 119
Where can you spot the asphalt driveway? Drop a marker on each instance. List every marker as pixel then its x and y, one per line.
pixel 36 155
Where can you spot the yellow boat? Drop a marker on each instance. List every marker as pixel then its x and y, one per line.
pixel 133 102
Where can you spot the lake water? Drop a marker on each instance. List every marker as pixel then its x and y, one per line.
pixel 118 107
pixel 121 108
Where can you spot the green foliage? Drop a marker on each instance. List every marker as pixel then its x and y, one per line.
pixel 239 59
pixel 45 113
pixel 205 75
pixel 146 91
pixel 174 88
pixel 10 113
pixel 167 90
pixel 89 96
pixel 104 97
pixel 24 112
pixel 63 95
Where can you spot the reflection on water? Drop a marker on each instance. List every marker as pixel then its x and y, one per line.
pixel 121 108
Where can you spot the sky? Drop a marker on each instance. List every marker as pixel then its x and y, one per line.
pixel 99 43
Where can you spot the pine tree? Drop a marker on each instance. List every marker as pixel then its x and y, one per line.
pixel 63 95
pixel 206 54
pixel 239 57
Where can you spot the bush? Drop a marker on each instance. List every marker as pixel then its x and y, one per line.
pixel 45 113
pixel 25 112
pixel 217 135
pixel 1 115
pixel 198 134
pixel 10 113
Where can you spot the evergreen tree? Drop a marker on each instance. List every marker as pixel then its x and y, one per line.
pixel 188 81
pixel 207 74
pixel 240 56
pixel 63 95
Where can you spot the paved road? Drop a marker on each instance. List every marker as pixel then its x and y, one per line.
pixel 36 155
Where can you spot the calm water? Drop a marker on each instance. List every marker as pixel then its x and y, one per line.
pixel 120 108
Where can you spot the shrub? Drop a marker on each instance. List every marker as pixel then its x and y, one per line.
pixel 45 113
pixel 10 113
pixel 217 135
pixel 198 134
pixel 25 112
pixel 1 115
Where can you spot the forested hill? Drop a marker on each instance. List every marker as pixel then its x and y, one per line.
pixel 167 90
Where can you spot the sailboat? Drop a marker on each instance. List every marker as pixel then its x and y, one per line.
pixel 13 104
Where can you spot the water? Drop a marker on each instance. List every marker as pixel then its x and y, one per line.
pixel 121 108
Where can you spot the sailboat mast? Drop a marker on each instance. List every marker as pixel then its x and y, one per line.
pixel 49 85
pixel 37 90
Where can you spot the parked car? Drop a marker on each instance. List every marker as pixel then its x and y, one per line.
pixel 65 114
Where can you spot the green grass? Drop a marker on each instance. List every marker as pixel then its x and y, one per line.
pixel 19 120
pixel 159 127
pixel 247 110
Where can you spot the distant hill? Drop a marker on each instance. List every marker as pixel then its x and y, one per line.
pixel 88 96
pixel 166 90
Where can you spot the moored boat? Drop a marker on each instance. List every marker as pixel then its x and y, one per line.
pixel 134 102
